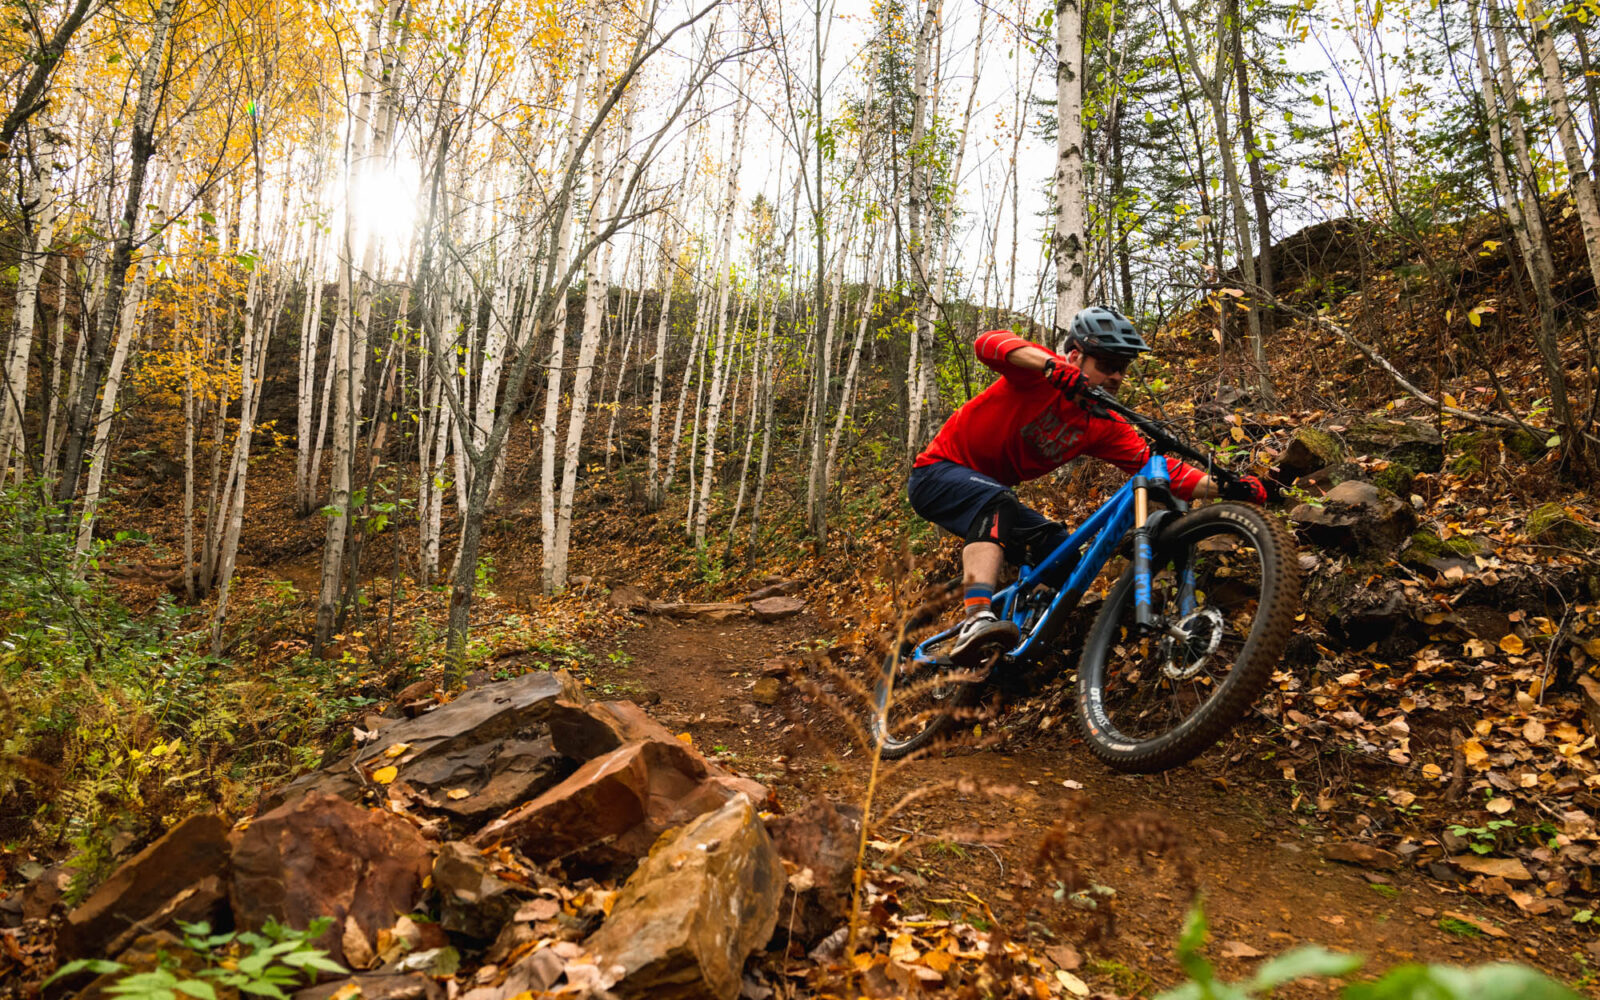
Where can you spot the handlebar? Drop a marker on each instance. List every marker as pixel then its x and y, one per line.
pixel 1163 439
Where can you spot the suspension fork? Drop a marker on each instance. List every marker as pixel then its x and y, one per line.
pixel 1144 613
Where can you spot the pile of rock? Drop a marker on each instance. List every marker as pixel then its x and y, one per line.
pixel 549 840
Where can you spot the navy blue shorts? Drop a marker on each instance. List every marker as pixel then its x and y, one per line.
pixel 952 495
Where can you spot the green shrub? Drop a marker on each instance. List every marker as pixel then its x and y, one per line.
pixel 242 963
pixel 1502 981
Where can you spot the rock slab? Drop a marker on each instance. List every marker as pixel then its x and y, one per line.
pixel 776 609
pixel 1357 516
pixel 179 877
pixel 684 923
pixel 457 745
pixel 320 856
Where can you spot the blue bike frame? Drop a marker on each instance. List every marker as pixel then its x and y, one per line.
pixel 1096 538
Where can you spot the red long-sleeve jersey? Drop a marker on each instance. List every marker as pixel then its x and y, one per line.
pixel 1021 428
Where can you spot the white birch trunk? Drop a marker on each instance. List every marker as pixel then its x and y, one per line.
pixel 558 331
pixel 41 196
pixel 1578 180
pixel 1068 244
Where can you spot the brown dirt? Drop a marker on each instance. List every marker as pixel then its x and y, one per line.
pixel 1259 868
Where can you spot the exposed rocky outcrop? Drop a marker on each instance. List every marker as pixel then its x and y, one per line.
pixel 533 774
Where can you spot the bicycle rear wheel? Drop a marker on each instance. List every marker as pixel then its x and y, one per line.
pixel 924 699
pixel 1149 702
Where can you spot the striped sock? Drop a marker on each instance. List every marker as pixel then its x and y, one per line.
pixel 977 598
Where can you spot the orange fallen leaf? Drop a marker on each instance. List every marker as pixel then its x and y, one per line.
pixel 396 749
pixel 1513 645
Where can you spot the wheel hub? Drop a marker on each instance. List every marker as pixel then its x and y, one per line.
pixel 1190 643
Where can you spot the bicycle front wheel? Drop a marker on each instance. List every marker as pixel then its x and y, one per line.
pixel 1224 588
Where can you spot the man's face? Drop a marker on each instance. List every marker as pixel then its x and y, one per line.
pixel 1104 373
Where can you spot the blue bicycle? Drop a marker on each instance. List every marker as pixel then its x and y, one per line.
pixel 1184 642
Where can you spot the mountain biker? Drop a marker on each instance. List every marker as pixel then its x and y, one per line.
pixel 1026 424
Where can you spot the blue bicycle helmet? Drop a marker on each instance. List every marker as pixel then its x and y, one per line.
pixel 1102 332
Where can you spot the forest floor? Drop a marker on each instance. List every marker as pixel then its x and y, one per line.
pixel 972 842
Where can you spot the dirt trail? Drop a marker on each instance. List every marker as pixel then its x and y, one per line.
pixel 1265 882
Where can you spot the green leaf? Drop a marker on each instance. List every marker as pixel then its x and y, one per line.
pixel 98 966
pixel 1311 960
pixel 263 990
pixel 1190 941
pixel 198 988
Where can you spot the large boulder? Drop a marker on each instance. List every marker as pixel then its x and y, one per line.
pixel 320 856
pixel 1413 442
pixel 818 844
pixel 1355 517
pixel 182 876
pixel 705 898
pixel 487 741
pixel 609 812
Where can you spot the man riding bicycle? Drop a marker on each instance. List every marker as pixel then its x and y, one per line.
pixel 1026 424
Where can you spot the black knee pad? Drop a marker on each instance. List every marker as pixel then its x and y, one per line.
pixel 996 523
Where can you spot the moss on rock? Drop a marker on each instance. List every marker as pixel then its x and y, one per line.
pixel 1551 525
pixel 1413 442
pixel 1466 464
pixel 1425 546
pixel 1398 478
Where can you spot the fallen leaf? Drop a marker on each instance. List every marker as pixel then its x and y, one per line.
pixel 1065 956
pixel 1509 869
pixel 1074 785
pixel 1513 645
pixel 457 793
pixel 687 738
pixel 1238 949
pixel 1072 984
pixel 904 950
pixel 1432 771
pixel 939 961
pixel 1499 805
pixel 1533 732
pixel 396 749
pixel 1400 797
pixel 384 775
pixel 357 949
pixel 1474 752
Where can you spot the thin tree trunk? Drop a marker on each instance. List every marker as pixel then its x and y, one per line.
pixel 42 204
pixel 558 330
pixel 654 495
pixel 1519 213
pixel 1069 244
pixel 80 420
pixel 1578 180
